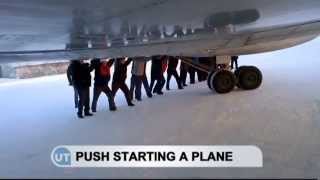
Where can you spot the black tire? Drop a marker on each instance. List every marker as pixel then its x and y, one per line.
pixel 236 73
pixel 223 81
pixel 249 77
pixel 209 79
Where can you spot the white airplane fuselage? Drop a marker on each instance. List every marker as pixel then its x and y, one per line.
pixel 51 29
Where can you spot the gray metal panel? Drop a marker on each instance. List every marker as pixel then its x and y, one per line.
pixel 52 24
pixel 205 45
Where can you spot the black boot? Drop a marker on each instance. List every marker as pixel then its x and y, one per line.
pixel 130 104
pixel 149 94
pixel 88 114
pixel 154 90
pixel 113 108
pixel 80 116
pixel 160 93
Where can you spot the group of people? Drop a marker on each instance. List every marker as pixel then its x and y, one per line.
pixel 79 76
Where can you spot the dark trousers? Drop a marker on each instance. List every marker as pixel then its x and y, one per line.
pixel 76 97
pixel 84 99
pixel 96 93
pixel 184 73
pixel 175 75
pixel 116 85
pixel 146 85
pixel 234 64
pixel 192 74
pixel 136 83
pixel 135 86
pixel 159 85
pixel 183 76
pixel 202 76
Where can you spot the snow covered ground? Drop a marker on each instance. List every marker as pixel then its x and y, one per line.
pixel 282 118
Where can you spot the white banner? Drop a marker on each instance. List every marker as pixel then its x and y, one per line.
pixel 157 156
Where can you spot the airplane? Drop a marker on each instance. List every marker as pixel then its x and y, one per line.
pixel 84 29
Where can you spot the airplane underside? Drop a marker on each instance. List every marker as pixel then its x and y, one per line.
pixel 82 29
pixel 222 77
pixel 206 44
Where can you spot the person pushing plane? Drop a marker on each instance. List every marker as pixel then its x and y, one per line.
pixel 119 78
pixel 172 71
pixel 138 78
pixel 82 82
pixel 101 80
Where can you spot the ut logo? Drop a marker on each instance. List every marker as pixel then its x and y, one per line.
pixel 61 156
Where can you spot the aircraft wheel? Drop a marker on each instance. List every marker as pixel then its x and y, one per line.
pixel 249 77
pixel 209 79
pixel 222 81
pixel 236 73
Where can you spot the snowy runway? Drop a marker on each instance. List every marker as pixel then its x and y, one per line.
pixel 282 118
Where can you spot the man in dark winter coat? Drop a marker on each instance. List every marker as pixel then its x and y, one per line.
pixel 172 71
pixel 119 78
pixel 158 67
pixel 139 77
pixel 70 70
pixel 101 80
pixel 82 82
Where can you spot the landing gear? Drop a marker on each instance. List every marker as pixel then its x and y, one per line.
pixel 222 81
pixel 221 77
pixel 249 77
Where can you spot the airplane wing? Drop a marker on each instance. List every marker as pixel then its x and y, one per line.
pixel 58 30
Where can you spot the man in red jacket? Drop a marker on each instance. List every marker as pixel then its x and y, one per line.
pixel 101 80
